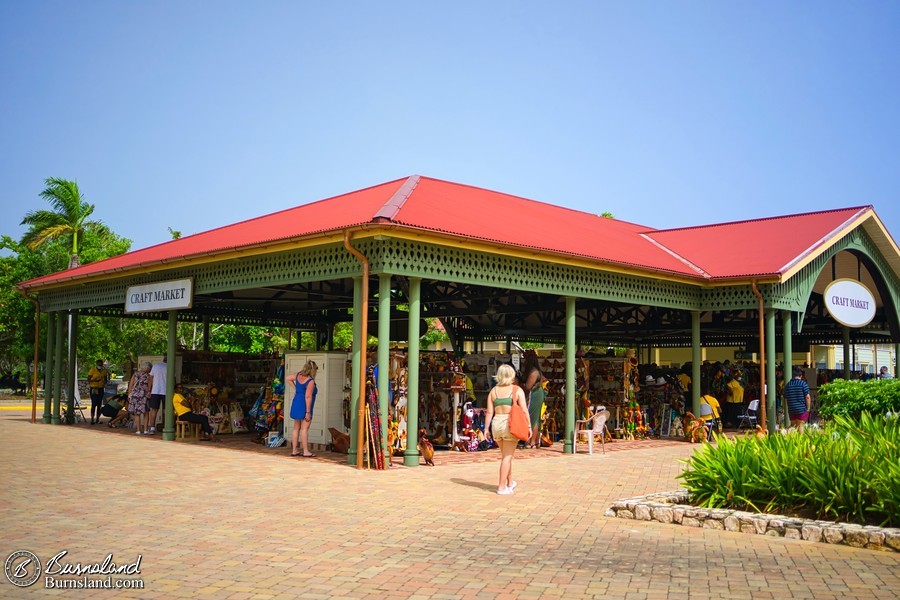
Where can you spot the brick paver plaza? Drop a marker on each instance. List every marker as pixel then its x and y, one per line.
pixel 212 522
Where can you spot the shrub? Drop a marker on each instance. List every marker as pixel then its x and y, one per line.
pixel 848 471
pixel 851 398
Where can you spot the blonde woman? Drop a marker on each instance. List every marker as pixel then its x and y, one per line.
pixel 501 400
pixel 304 384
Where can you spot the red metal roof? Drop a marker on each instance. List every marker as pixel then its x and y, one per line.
pixel 330 214
pixel 485 215
pixel 747 248
pixel 756 248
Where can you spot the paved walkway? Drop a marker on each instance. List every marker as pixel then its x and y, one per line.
pixel 215 523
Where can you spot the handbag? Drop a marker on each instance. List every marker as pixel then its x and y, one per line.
pixel 519 422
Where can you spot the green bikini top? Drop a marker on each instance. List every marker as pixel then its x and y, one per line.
pixel 505 401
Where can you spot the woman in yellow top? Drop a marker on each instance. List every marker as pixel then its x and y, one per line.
pixel 97 378
pixel 714 405
pixel 499 404
pixel 184 412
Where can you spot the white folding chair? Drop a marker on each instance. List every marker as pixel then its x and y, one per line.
pixel 748 415
pixel 591 427
pixel 707 411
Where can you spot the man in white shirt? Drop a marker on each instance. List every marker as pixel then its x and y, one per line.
pixel 158 372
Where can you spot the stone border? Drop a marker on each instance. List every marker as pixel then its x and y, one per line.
pixel 673 507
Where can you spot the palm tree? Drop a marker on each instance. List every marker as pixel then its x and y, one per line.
pixel 69 217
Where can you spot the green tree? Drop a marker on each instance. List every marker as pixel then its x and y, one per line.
pixel 18 263
pixel 68 219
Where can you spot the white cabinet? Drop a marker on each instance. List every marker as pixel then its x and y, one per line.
pixel 330 381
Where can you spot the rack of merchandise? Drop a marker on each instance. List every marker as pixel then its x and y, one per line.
pixel 481 368
pixel 252 376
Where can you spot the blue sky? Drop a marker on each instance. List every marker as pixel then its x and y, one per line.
pixel 193 114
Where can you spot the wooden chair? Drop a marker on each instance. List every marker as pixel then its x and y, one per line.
pixel 185 428
pixel 595 425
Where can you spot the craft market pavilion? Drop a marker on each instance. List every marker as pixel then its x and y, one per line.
pixel 494 267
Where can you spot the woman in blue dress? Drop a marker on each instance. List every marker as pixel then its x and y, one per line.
pixel 304 384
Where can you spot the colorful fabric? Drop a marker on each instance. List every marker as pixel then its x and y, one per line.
pixel 140 393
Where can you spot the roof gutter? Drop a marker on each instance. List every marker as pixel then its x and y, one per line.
pixel 37 342
pixel 364 336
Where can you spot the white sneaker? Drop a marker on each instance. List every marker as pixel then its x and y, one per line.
pixel 152 431
pixel 505 491
pixel 513 485
pixel 137 433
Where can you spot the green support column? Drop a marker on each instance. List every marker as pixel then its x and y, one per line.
pixel 788 356
pixel 411 455
pixel 72 368
pixel 695 362
pixel 355 366
pixel 206 333
pixel 384 353
pixel 169 415
pixel 846 333
pixel 49 366
pixel 569 447
pixel 57 366
pixel 771 415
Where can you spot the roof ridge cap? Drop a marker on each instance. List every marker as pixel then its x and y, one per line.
pixel 393 205
pixel 676 256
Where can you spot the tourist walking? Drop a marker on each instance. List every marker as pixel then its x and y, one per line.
pixel 500 402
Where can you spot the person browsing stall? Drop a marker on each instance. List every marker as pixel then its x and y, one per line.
pixel 138 396
pixel 160 374
pixel 97 378
pixel 714 405
pixel 500 403
pixel 305 390
pixel 796 394
pixel 534 392
pixel 115 410
pixel 185 412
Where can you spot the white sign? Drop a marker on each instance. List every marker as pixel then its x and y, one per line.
pixel 849 302
pixel 166 295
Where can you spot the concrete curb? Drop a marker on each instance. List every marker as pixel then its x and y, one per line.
pixel 673 507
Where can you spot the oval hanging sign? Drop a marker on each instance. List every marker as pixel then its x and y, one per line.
pixel 849 302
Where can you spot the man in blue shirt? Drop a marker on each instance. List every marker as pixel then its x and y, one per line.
pixel 796 394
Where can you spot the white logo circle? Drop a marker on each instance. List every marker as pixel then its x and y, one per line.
pixel 23 572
